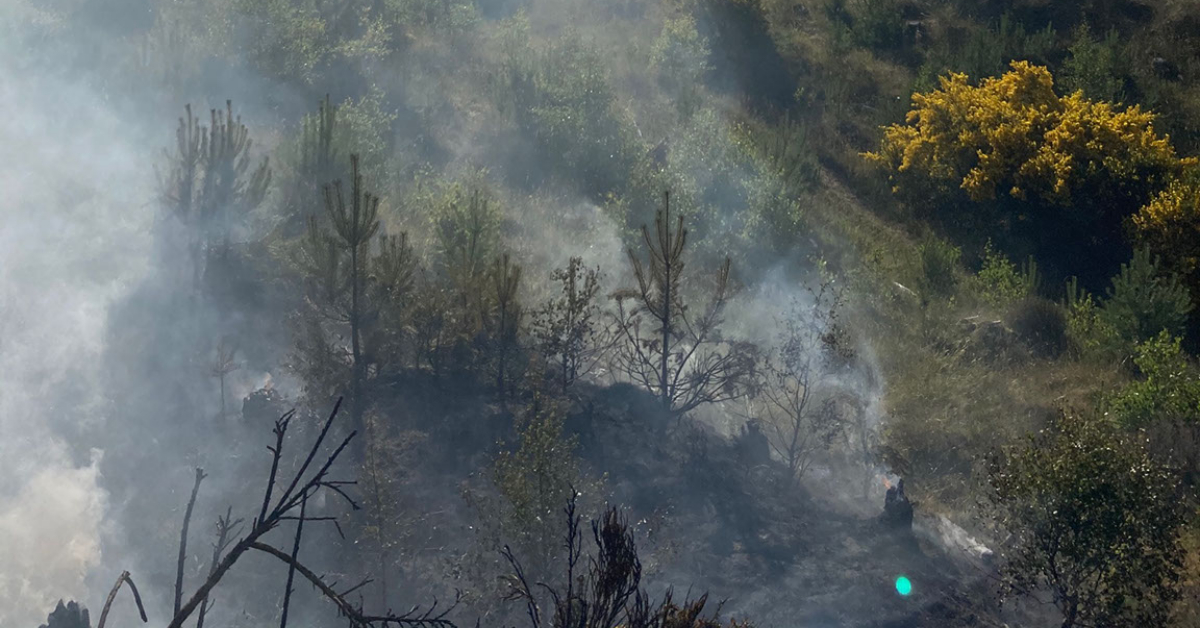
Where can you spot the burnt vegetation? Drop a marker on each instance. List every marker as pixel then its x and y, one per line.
pixel 721 271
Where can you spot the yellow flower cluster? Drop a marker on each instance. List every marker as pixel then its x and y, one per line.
pixel 1014 135
pixel 1170 224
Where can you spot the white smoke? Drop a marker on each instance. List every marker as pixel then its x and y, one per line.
pixel 74 236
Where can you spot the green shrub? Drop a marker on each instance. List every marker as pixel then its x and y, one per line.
pixel 680 58
pixel 785 170
pixel 1042 325
pixel 1001 282
pixel 432 16
pixel 560 96
pixel 939 267
pixel 878 24
pixel 1168 390
pixel 786 152
pixel 1144 300
pixel 988 52
pixel 1092 519
pixel 1089 332
pixel 315 155
pixel 366 129
pixel 466 224
pixel 1096 67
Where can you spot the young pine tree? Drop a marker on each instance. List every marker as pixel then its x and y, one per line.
pixel 317 166
pixel 352 286
pixel 209 182
pixel 683 359
pixel 502 320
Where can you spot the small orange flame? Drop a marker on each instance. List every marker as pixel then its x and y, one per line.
pixel 886 483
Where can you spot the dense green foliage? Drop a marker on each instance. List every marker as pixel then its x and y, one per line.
pixel 1093 520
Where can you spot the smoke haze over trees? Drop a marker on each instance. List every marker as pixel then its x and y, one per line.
pixel 629 306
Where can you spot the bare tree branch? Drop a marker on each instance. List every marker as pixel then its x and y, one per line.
pixel 226 526
pixel 283 508
pixel 287 591
pixel 183 536
pixel 281 426
pixel 112 595
pixel 359 619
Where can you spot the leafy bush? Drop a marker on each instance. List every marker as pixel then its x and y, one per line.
pixel 433 16
pixel 1170 226
pixel 939 267
pixel 1089 332
pixel 1001 282
pixel 285 39
pixel 534 480
pixel 988 51
pixel 1093 521
pixel 1145 300
pixel 1014 136
pixel 680 57
pixel 466 224
pixel 1096 67
pixel 1169 388
pixel 1042 325
pixel 878 24
pixel 366 129
pixel 561 97
pixel 315 154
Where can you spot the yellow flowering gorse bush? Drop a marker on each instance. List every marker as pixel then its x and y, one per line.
pixel 1170 225
pixel 1014 135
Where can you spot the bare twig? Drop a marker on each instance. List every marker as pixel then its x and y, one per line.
pixel 112 595
pixel 281 426
pixel 523 590
pixel 226 527
pixel 287 592
pixel 183 536
pixel 265 523
pixel 312 454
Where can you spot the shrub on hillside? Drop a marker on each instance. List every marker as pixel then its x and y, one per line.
pixel 1169 389
pixel 1096 67
pixel 1170 226
pixel 1001 282
pixel 680 57
pixel 1090 333
pixel 1040 324
pixel 1012 158
pixel 939 262
pixel 1145 299
pixel 991 48
pixel 1092 521
pixel 874 24
pixel 560 96
pixel 1013 136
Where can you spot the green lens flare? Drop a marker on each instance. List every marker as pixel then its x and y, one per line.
pixel 903 586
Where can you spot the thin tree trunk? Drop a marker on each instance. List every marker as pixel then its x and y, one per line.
pixel 372 460
pixel 666 320
pixel 356 376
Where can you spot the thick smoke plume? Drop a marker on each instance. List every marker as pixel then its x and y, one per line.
pixel 74 236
